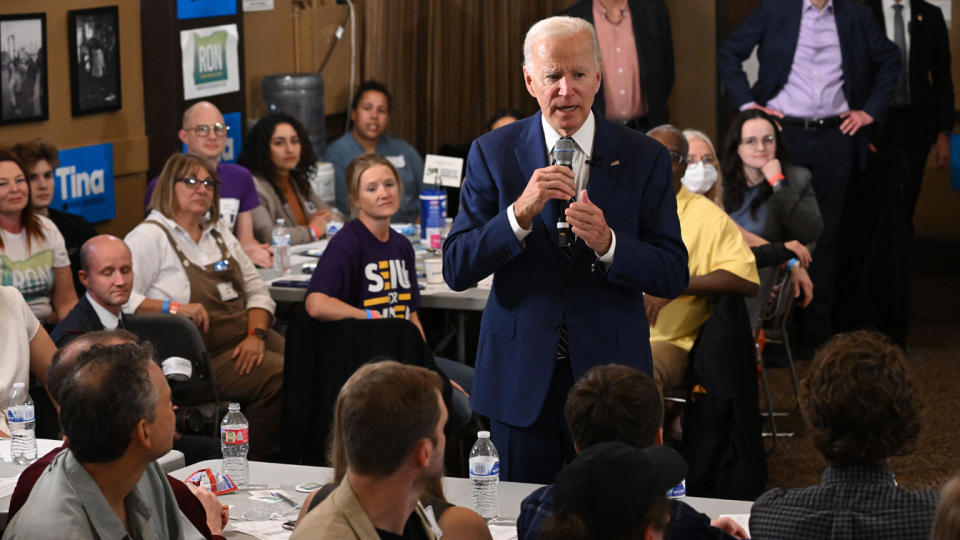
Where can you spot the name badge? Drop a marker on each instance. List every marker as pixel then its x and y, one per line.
pixel 228 211
pixel 227 292
pixel 397 161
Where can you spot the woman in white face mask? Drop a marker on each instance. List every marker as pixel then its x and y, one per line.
pixel 703 171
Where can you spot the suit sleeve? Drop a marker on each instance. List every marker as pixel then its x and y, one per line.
pixel 797 205
pixel 654 262
pixel 481 239
pixel 940 73
pixel 736 48
pixel 885 57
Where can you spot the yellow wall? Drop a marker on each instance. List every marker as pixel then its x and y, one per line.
pixel 123 128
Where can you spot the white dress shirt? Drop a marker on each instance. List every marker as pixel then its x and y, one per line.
pixel 888 14
pixel 107 319
pixel 159 274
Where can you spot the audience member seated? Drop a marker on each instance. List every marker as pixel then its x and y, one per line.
pixel 766 253
pixel 619 403
pixel 204 133
pixel 703 167
pixel 24 345
pixel 107 484
pixel 771 200
pixel 503 117
pixel 279 153
pixel 859 402
pixel 946 525
pixel 392 417
pixel 456 522
pixel 368 270
pixel 33 254
pixel 39 159
pixel 106 271
pixel 369 115
pixel 719 261
pixel 188 497
pixel 187 262
pixel 613 490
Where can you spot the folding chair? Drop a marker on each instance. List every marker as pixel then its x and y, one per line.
pixel 772 328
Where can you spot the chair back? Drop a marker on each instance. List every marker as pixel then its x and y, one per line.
pixel 172 335
pixel 776 309
pixel 319 358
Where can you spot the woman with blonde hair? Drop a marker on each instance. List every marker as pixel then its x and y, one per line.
pixel 187 262
pixel 946 524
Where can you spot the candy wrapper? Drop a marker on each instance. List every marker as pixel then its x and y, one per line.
pixel 218 483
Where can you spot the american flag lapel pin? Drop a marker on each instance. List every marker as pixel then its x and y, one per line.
pixel 615 163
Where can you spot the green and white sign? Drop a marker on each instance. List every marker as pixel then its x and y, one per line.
pixel 210 61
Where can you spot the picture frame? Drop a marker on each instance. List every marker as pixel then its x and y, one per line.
pixel 94 38
pixel 23 68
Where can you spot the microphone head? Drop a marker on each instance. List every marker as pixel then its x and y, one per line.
pixel 563 151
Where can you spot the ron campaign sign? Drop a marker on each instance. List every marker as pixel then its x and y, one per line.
pixel 83 183
pixel 210 61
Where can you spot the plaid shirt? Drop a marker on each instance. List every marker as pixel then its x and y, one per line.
pixel 850 502
pixel 685 522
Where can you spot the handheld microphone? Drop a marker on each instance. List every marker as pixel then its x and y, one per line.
pixel 563 153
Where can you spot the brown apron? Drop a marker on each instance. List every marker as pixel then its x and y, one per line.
pixel 219 287
pixel 209 286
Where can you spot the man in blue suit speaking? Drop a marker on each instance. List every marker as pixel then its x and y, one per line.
pixel 555 312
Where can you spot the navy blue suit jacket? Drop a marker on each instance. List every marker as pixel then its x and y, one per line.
pixel 81 320
pixel 871 62
pixel 535 288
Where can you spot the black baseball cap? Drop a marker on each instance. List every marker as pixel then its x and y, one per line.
pixel 611 486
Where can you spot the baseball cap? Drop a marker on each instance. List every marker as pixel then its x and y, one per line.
pixel 611 486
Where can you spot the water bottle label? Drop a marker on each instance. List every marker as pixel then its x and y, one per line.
pixel 677 491
pixel 24 416
pixel 234 436
pixel 485 466
pixel 281 240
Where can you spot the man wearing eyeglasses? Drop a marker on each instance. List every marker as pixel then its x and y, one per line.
pixel 719 262
pixel 827 73
pixel 205 134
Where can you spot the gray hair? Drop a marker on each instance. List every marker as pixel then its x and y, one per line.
pixel 672 129
pixel 558 27
pixel 692 134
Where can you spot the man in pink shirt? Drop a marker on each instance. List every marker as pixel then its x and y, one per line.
pixel 637 52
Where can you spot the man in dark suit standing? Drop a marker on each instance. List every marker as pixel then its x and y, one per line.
pixel 106 270
pixel 827 73
pixel 637 50
pixel 554 312
pixel 920 117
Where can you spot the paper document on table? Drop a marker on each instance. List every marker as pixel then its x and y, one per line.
pixel 503 532
pixel 265 530
pixel 742 519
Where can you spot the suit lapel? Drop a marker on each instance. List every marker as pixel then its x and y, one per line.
pixel 532 155
pixel 606 151
pixel 845 32
pixel 791 32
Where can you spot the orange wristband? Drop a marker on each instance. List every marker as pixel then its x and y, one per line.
pixel 775 179
pixel 174 308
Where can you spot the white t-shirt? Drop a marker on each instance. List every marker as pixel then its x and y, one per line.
pixel 18 326
pixel 31 271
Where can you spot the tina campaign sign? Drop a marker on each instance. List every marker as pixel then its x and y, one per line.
pixel 83 183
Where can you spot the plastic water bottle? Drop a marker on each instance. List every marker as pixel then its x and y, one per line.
pixel 485 477
pixel 281 247
pixel 20 415
pixel 234 443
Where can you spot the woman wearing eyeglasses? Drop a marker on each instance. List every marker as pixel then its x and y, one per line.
pixel 187 262
pixel 771 200
pixel 278 153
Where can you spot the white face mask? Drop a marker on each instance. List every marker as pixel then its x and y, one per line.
pixel 699 178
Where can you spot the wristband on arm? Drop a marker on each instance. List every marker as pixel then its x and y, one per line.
pixel 314 232
pixel 371 314
pixel 775 179
pixel 792 262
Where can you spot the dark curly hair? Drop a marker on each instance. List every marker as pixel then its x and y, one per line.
pixel 859 400
pixel 734 179
pixel 371 86
pixel 255 155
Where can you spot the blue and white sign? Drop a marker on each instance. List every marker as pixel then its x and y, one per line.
pixel 234 138
pixel 83 183
pixel 195 9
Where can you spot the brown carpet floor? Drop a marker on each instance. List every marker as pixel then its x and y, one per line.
pixel 934 352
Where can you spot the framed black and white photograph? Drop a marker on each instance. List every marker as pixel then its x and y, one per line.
pixel 94 60
pixel 23 68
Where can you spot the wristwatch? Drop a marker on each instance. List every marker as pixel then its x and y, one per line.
pixel 258 332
